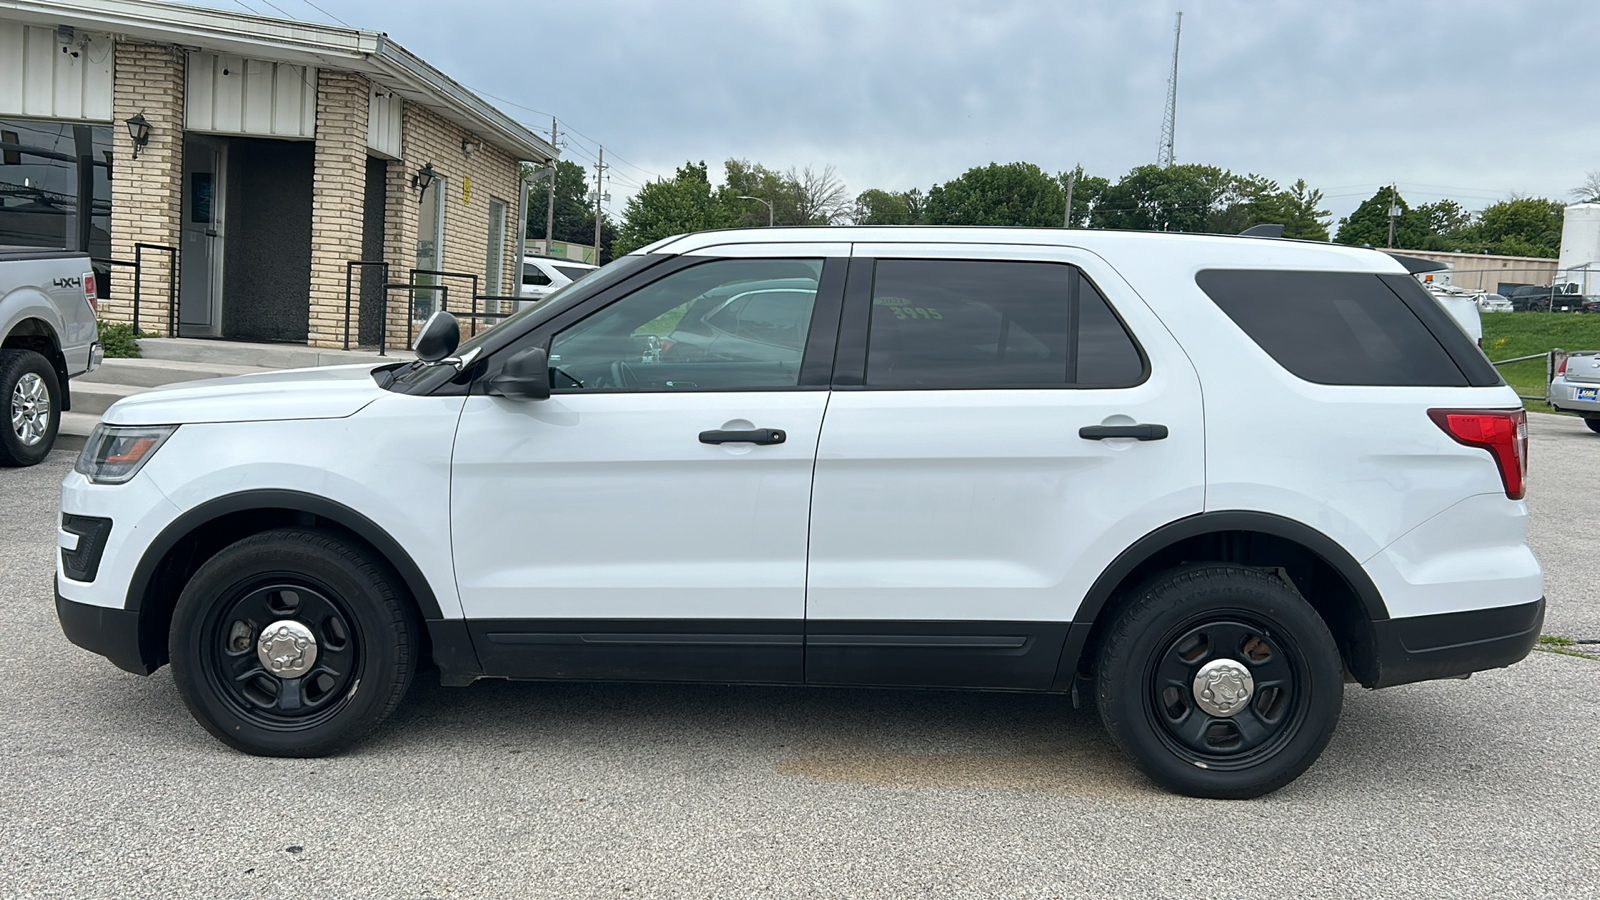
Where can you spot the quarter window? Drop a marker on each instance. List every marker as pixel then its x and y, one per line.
pixel 976 324
pixel 1333 327
pixel 722 325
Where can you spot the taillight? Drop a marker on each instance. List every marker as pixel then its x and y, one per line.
pixel 1502 432
pixel 1561 367
pixel 91 292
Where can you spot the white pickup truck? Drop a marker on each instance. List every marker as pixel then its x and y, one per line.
pixel 48 333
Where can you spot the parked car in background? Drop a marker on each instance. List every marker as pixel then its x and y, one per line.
pixel 1576 387
pixel 544 275
pixel 1493 303
pixel 48 334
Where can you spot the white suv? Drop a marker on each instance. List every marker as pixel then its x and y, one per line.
pixel 544 275
pixel 1202 480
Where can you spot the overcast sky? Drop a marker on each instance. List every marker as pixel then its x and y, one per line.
pixel 1464 99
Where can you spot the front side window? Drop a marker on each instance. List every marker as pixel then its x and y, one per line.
pixel 982 324
pixel 572 272
pixel 534 276
pixel 721 325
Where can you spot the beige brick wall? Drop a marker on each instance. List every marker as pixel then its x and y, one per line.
pixel 429 139
pixel 146 193
pixel 338 187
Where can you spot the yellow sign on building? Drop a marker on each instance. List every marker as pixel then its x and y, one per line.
pixel 466 189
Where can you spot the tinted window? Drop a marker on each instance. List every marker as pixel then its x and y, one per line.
pixel 572 272
pixel 1333 327
pixel 532 274
pixel 722 325
pixel 970 324
pixel 55 185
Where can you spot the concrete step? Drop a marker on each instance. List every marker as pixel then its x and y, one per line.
pixel 272 356
pixel 97 397
pixel 156 372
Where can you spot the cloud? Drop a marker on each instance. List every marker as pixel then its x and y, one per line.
pixel 1471 100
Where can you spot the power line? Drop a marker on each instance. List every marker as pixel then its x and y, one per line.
pixel 326 13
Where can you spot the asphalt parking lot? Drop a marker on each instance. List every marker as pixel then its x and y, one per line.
pixel 1470 789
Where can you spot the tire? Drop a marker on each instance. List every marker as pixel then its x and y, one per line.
pixel 362 628
pixel 1183 621
pixel 1593 423
pixel 30 407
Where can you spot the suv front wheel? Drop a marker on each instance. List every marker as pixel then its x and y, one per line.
pixel 273 636
pixel 1220 681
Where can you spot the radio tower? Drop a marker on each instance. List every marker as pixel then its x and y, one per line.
pixel 1169 122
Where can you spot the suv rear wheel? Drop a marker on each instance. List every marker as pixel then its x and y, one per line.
pixel 1220 681
pixel 273 636
pixel 30 399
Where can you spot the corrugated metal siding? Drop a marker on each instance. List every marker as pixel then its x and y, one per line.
pixel 41 77
pixel 235 95
pixel 384 109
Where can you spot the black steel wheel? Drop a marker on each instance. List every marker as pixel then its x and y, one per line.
pixel 293 643
pixel 30 407
pixel 1220 681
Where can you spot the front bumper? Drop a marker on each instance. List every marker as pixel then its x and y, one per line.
pixel 1450 645
pixel 112 633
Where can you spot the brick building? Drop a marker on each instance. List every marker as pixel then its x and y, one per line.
pixel 276 153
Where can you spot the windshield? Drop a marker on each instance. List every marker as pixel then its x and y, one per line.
pixel 593 280
pixel 576 273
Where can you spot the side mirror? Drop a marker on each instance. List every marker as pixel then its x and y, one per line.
pixel 438 338
pixel 525 376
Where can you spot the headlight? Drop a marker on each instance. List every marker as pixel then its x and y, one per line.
pixel 116 453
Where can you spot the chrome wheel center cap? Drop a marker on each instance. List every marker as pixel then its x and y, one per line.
pixel 1222 687
pixel 287 648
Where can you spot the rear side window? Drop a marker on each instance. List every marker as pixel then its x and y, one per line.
pixel 1347 328
pixel 981 324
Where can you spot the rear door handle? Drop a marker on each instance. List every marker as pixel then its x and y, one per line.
pixel 755 436
pixel 1137 432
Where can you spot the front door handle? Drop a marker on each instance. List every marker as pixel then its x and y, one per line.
pixel 1137 432
pixel 755 436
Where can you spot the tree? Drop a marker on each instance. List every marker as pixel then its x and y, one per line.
pixel 1017 193
pixel 1088 191
pixel 664 208
pixel 1589 191
pixel 1187 197
pixel 1521 226
pixel 743 178
pixel 875 207
pixel 1369 224
pixel 820 197
pixel 574 215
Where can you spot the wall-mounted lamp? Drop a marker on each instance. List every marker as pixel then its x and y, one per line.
pixel 139 130
pixel 422 179
pixel 470 146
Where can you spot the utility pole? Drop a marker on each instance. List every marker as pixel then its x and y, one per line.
pixel 1169 123
pixel 1071 177
pixel 550 211
pixel 1394 210
pixel 599 194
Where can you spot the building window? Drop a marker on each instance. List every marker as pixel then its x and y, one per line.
pixel 430 247
pixel 55 185
pixel 495 264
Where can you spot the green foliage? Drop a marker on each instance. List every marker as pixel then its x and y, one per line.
pixel 1186 197
pixel 1087 192
pixel 119 340
pixel 875 207
pixel 1017 193
pixel 1520 226
pixel 574 214
pixel 664 208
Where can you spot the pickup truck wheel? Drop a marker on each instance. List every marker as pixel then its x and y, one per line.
pixel 1593 423
pixel 292 642
pixel 30 398
pixel 1220 681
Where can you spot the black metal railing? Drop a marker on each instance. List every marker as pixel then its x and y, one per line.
pixel 138 281
pixel 349 271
